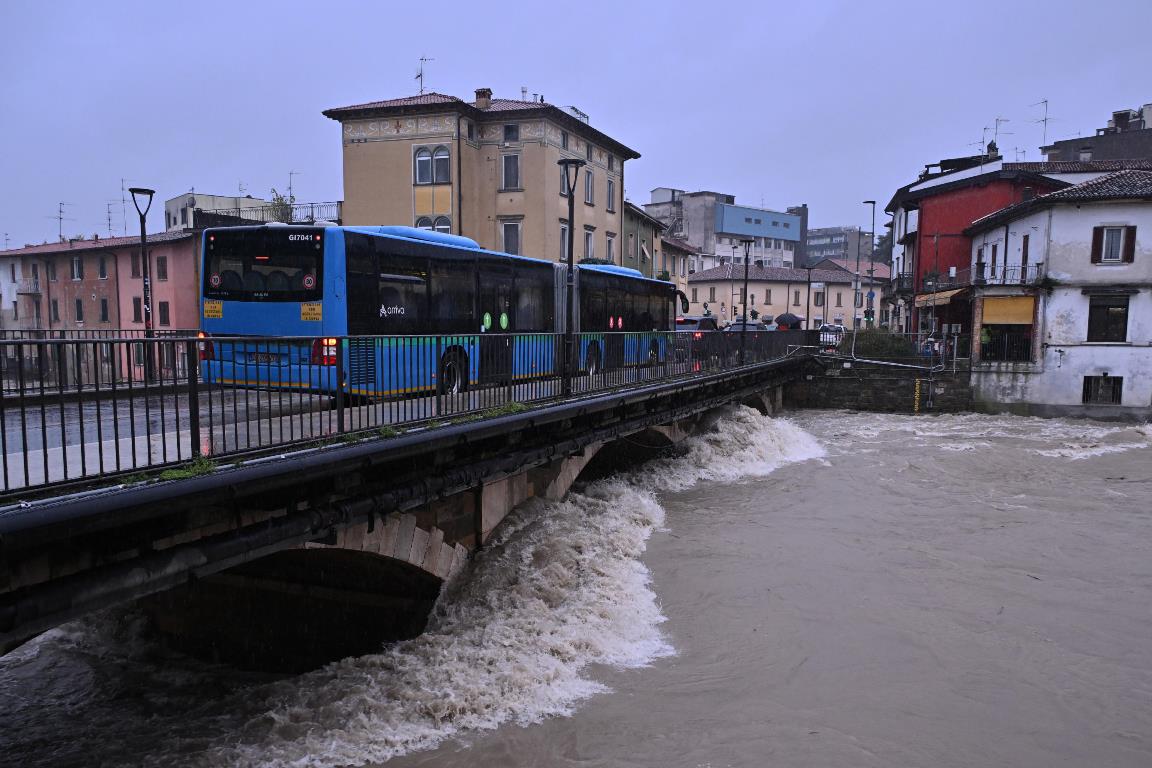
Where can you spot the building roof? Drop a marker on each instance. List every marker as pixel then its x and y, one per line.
pixel 906 194
pixel 1081 166
pixel 770 274
pixel 640 213
pixel 881 269
pixel 71 246
pixel 500 108
pixel 677 243
pixel 1118 185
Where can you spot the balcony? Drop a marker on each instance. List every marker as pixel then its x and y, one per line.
pixel 28 286
pixel 903 282
pixel 285 213
pixel 1005 274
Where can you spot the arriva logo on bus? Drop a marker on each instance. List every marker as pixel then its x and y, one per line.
pixel 386 311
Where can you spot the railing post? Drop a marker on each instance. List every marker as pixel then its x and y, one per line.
pixel 192 371
pixel 340 385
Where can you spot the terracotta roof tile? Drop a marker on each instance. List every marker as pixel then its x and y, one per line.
pixel 88 245
pixel 1081 166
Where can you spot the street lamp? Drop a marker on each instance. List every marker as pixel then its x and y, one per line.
pixel 747 243
pixel 142 194
pixel 732 286
pixel 571 167
pixel 871 256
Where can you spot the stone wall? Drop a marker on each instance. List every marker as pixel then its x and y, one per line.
pixel 881 389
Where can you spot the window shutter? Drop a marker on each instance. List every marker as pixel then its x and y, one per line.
pixel 1097 244
pixel 1129 254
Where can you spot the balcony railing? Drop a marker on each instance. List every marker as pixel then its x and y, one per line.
pixel 1007 348
pixel 299 213
pixel 1005 274
pixel 903 282
pixel 29 285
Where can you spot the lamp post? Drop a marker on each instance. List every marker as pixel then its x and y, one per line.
pixel 571 166
pixel 747 243
pixel 871 260
pixel 142 194
pixel 732 286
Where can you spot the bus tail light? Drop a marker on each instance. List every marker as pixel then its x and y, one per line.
pixel 697 335
pixel 207 351
pixel 324 351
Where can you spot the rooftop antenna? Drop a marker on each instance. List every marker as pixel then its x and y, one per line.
pixel 420 72
pixel 108 208
pixel 291 197
pixel 60 219
pixel 1045 120
pixel 5 241
pixel 240 188
pixel 123 208
pixel 1020 153
pixel 996 131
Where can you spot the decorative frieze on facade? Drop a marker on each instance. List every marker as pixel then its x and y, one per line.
pixel 406 127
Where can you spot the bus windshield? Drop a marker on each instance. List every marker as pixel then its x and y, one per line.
pixel 266 264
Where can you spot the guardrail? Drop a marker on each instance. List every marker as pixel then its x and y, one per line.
pixel 161 402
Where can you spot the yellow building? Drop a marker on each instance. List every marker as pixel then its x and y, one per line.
pixel 486 170
pixel 772 291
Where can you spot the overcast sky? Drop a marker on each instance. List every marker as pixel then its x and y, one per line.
pixel 822 102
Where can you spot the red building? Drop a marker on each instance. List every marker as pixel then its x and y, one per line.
pixel 931 264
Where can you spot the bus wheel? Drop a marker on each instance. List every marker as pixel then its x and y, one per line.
pixel 593 359
pixel 453 373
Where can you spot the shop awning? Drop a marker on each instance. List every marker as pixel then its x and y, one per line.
pixel 1009 310
pixel 937 299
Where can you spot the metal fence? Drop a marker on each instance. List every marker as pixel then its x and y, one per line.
pixel 1006 348
pixel 927 350
pixel 148 403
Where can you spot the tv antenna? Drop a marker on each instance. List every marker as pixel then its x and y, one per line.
pixel 983 143
pixel 240 187
pixel 123 208
pixel 60 219
pixel 1020 153
pixel 5 241
pixel 1045 120
pixel 996 130
pixel 291 197
pixel 108 208
pixel 420 72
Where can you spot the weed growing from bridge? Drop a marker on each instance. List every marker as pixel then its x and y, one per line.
pixel 201 465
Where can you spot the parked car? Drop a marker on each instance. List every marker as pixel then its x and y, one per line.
pixel 831 334
pixel 698 338
pixel 752 325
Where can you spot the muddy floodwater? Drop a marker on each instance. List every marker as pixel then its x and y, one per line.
pixel 825 589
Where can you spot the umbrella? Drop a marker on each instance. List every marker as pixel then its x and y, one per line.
pixel 788 321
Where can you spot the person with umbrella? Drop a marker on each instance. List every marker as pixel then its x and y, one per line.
pixel 789 322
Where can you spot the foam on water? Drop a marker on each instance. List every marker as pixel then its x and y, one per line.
pixel 560 587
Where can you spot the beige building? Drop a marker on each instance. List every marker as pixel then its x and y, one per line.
pixel 774 291
pixel 486 170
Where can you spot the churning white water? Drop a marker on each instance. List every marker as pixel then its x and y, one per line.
pixel 829 589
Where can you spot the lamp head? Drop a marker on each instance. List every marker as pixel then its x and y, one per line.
pixel 571 166
pixel 142 193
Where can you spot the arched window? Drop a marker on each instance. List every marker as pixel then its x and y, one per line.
pixel 441 168
pixel 423 223
pixel 423 166
pixel 442 224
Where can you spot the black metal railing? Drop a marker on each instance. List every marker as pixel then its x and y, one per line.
pixel 285 213
pixel 1006 348
pixel 78 409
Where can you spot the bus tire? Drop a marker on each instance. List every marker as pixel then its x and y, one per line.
pixel 453 377
pixel 593 363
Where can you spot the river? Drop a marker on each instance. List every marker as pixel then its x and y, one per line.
pixel 825 589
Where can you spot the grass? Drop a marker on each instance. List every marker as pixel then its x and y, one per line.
pixel 201 465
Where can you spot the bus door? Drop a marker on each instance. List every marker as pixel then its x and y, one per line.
pixel 496 320
pixel 363 301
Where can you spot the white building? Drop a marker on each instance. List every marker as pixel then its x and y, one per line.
pixel 1062 305
pixel 178 210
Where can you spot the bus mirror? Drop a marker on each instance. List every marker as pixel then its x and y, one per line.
pixel 684 307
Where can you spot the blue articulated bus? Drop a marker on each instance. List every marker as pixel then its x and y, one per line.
pixel 409 310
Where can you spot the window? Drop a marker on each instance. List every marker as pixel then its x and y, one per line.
pixel 423 223
pixel 423 170
pixel 103 268
pixel 611 162
pixel 589 188
pixel 1107 318
pixel 1113 245
pixel 442 224
pixel 135 264
pixel 79 310
pixel 564 139
pixel 1103 390
pixel 137 309
pixel 512 132
pixel 55 311
pixel 611 192
pixel 471 131
pixel 1024 257
pixel 161 267
pixel 610 248
pixel 563 242
pixel 589 245
pixel 563 181
pixel 164 316
pixel 511 237
pixel 694 298
pixel 712 293
pixel 859 301
pixel 747 219
pixel 103 310
pixel 441 167
pixel 995 249
pixel 818 299
pixel 839 298
pixel 796 298
pixel 511 172
pixel 768 296
pixel 77 267
pixel 588 151
pixel 16 309
pixel 752 299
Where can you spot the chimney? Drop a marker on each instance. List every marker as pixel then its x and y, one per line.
pixel 1028 194
pixel 483 98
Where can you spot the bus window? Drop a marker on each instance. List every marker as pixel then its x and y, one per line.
pixel 453 295
pixel 593 314
pixel 403 286
pixel 534 299
pixel 264 265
